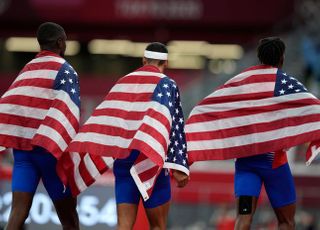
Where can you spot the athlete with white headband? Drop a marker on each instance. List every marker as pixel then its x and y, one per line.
pixel 159 134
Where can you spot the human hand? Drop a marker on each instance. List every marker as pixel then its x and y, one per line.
pixel 181 178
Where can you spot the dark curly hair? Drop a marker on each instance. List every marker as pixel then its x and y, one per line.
pixel 271 51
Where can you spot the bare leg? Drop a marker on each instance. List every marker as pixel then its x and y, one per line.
pixel 67 213
pixel 21 204
pixel 243 221
pixel 127 214
pixel 285 216
pixel 158 216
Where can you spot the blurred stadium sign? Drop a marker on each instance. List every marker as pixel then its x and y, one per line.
pixel 148 20
pixel 96 208
pixel 28 44
pixel 174 9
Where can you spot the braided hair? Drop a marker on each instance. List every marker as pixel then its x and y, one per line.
pixel 271 51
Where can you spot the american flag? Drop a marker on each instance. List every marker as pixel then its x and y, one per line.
pixel 41 107
pixel 261 110
pixel 143 112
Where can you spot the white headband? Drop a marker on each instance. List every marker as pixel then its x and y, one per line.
pixel 155 55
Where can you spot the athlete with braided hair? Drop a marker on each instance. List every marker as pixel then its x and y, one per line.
pixel 271 168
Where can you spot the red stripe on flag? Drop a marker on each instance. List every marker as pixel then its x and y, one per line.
pixel 149 174
pixel 258 78
pixel 235 98
pixel 32 102
pixel 108 130
pixel 48 144
pixel 26 122
pixel 132 115
pixel 161 118
pixel 15 142
pixel 84 172
pixel 35 82
pixel 99 163
pixel 131 97
pixel 153 132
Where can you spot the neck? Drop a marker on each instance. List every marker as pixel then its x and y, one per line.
pixel 160 67
pixel 56 51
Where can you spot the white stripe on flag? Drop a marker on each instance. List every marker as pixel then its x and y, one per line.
pixel 43 74
pixel 81 185
pixel 141 186
pixel 90 166
pixel 109 161
pixel 115 122
pixel 133 88
pixel 314 153
pixel 17 131
pixel 144 165
pixel 53 135
pixel 102 139
pixel 32 112
pixel 31 91
pixel 125 105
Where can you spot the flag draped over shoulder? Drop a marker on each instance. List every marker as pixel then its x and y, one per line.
pixel 41 107
pixel 260 110
pixel 142 112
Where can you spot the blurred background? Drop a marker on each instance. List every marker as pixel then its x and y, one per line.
pixel 209 41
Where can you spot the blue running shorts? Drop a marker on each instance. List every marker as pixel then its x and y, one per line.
pixel 31 166
pixel 278 183
pixel 126 190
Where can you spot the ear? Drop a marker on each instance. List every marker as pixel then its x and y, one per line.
pixel 144 61
pixel 59 43
pixel 281 61
pixel 166 63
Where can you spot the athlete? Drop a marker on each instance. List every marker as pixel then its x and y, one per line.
pixel 140 123
pixel 270 169
pixel 255 117
pixel 39 114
